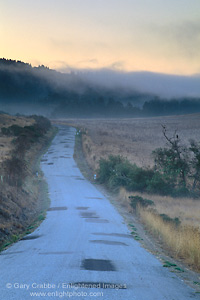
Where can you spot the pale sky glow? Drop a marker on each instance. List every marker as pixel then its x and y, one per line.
pixel 149 35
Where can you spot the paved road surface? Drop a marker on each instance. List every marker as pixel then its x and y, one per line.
pixel 82 241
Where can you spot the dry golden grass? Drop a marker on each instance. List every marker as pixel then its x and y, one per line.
pixel 133 138
pixel 183 241
pixel 186 209
pixel 6 142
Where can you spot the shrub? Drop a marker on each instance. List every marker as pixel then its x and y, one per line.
pixel 137 200
pixel 107 168
pixel 121 175
pixel 43 123
pixel 168 177
pixel 167 219
pixel 16 130
pixel 12 130
pixel 139 178
pixel 30 134
pixel 117 171
pixel 159 184
pixel 5 131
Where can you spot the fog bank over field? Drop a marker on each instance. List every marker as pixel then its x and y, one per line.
pixel 162 85
pixel 94 93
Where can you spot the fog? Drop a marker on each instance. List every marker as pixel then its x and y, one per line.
pixel 94 93
pixel 162 85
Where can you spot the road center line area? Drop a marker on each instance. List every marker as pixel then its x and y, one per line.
pixel 83 249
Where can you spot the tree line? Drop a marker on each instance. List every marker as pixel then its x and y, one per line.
pixel 69 96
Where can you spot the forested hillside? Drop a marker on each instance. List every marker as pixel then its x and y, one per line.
pixel 28 89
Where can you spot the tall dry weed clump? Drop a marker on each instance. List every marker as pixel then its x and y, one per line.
pixel 89 150
pixel 183 240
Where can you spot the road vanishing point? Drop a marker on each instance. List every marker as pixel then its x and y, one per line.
pixel 83 249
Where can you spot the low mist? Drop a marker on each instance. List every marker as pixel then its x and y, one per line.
pixel 162 85
pixel 94 93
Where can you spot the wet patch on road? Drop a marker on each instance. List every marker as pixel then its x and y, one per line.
pixel 97 198
pixel 89 215
pixel 79 178
pixel 57 208
pixel 55 253
pixel 82 207
pixel 97 265
pixel 113 243
pixel 114 234
pixel 11 253
pixel 31 237
pixel 97 220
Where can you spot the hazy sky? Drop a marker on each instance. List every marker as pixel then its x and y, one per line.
pixel 132 35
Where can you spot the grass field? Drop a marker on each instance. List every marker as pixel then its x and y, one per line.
pixel 133 138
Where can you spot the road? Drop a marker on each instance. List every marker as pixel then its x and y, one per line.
pixel 82 242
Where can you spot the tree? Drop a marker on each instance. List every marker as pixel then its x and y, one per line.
pixel 195 162
pixel 173 161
